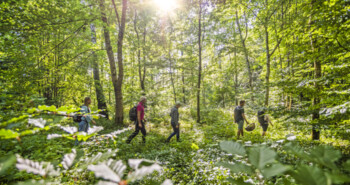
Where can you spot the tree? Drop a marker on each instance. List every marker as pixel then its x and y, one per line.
pixel 142 75
pixel 117 81
pixel 317 75
pixel 245 50
pixel 101 100
pixel 199 62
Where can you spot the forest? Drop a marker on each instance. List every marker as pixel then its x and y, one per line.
pixel 253 91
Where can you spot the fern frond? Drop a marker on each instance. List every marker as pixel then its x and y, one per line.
pixel 68 159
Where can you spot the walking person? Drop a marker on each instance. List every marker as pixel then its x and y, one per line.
pixel 239 117
pixel 264 120
pixel 86 118
pixel 140 121
pixel 174 114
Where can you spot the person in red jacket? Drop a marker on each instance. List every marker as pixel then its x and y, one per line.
pixel 140 121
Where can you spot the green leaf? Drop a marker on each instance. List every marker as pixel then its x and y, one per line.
pixel 346 165
pixel 239 181
pixel 310 175
pixel 79 155
pixel 337 178
pixel 194 146
pixel 232 148
pixel 261 156
pixel 237 167
pixel 6 162
pixel 146 162
pixel 275 169
pixel 8 134
pixel 325 155
pixel 296 150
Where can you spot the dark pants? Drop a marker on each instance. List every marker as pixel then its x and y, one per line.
pixel 137 129
pixel 83 127
pixel 264 127
pixel 176 132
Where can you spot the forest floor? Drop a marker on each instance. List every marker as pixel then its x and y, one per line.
pixel 191 161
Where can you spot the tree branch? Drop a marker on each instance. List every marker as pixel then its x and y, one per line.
pixel 75 32
pixel 116 12
pixel 274 49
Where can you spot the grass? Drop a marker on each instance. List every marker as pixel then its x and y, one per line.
pixel 192 161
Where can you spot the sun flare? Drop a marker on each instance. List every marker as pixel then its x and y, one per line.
pixel 166 5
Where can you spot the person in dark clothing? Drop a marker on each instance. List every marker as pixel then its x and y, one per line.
pixel 174 114
pixel 264 121
pixel 140 121
pixel 240 117
pixel 86 118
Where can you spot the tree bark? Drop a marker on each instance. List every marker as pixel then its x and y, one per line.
pixel 117 82
pixel 141 77
pixel 317 75
pixel 172 80
pixel 245 54
pixel 199 62
pixel 267 77
pixel 101 100
pixel 183 88
pixel 236 78
pixel 119 117
pixel 171 70
pixel 108 46
pixel 144 60
pixel 268 54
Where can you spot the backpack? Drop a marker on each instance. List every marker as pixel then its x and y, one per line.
pixel 133 113
pixel 261 116
pixel 77 117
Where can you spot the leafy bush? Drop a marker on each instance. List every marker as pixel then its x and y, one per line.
pixel 318 166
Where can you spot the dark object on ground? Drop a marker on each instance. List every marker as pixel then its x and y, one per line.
pixel 250 127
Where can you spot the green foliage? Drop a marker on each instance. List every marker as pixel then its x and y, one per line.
pixel 259 157
pixel 295 54
pixel 262 160
pixel 233 148
pixel 6 162
pixel 310 175
pixel 274 169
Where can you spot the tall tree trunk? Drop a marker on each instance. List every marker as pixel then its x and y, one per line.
pixel 183 88
pixel 139 53
pixel 108 46
pixel 119 95
pixel 144 59
pixel 268 53
pixel 171 72
pixel 199 62
pixel 172 80
pixel 117 82
pixel 101 100
pixel 267 77
pixel 235 66
pixel 245 54
pixel 236 78
pixel 317 75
